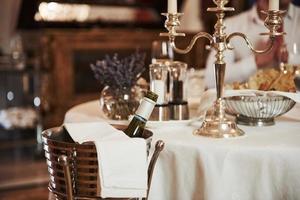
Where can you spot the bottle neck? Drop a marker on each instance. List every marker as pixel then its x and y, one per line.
pixel 139 118
pixel 145 108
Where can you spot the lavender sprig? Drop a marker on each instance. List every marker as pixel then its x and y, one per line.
pixel 119 73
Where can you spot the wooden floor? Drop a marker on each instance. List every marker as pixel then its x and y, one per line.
pixel 30 193
pixel 23 170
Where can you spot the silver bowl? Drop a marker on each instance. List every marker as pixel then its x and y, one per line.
pixel 258 110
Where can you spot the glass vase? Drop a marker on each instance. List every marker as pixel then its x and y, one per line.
pixel 119 104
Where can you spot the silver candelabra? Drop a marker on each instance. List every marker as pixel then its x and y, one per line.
pixel 216 123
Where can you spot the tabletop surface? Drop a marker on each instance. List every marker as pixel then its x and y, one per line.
pixel 262 164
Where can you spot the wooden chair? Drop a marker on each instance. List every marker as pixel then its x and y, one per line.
pixel 73 167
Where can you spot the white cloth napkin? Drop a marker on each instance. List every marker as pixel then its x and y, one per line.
pixel 122 160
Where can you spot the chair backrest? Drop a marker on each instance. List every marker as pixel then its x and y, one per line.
pixel 82 162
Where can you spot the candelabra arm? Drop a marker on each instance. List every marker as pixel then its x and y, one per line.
pixel 192 42
pixel 248 42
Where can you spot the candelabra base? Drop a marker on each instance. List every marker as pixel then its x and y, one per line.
pixel 219 125
pixel 219 129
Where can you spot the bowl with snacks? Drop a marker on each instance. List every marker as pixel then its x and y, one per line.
pixel 262 107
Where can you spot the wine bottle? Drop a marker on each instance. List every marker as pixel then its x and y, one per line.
pixel 142 114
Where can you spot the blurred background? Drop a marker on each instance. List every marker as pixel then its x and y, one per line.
pixel 46 48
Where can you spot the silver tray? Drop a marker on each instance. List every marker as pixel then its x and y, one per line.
pixel 258 110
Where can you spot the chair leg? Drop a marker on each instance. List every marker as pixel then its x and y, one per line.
pixel 63 160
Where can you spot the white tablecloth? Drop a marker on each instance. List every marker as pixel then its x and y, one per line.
pixel 264 164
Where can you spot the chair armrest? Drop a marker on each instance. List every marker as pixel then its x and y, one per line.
pixel 159 146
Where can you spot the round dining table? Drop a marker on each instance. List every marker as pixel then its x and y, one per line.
pixel 264 164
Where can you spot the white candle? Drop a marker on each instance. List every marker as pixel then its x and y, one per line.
pixel 158 87
pixel 172 6
pixel 273 4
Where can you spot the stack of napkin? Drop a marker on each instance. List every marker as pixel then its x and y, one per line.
pixel 122 160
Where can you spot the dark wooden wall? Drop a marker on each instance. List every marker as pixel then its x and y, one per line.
pixel 66 56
